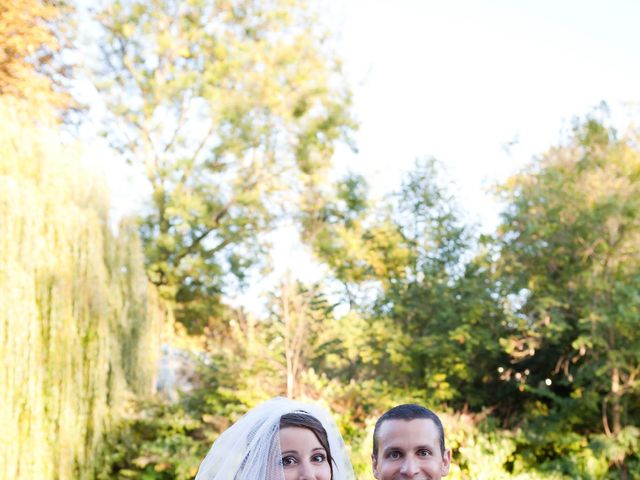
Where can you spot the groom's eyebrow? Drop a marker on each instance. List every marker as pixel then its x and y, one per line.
pixel 391 448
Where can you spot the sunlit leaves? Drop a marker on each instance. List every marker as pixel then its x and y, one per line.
pixel 33 34
pixel 233 108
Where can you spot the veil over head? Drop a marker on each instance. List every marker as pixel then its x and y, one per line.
pixel 250 448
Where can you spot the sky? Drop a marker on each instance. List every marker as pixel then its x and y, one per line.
pixel 483 86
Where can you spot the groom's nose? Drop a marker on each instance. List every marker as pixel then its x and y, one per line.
pixel 409 466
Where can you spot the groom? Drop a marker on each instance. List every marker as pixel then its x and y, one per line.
pixel 408 442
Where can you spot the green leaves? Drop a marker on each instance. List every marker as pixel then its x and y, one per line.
pixel 233 108
pixel 571 237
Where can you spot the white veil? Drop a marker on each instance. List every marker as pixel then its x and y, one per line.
pixel 250 448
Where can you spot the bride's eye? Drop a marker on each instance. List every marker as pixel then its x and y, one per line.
pixel 288 461
pixel 318 458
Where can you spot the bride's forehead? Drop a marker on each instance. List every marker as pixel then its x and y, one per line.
pixel 296 434
pixel 295 431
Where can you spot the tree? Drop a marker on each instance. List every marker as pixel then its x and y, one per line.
pixel 298 317
pixel 446 301
pixel 32 36
pixel 570 261
pixel 434 319
pixel 232 108
pixel 79 327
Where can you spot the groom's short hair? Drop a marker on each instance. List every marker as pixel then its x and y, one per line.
pixel 408 411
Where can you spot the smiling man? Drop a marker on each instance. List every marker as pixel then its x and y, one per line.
pixel 408 442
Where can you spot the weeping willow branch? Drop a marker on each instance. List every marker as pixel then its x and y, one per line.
pixel 79 324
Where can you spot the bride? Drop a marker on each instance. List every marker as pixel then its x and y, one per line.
pixel 281 439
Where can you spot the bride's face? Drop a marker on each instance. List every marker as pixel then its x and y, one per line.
pixel 303 457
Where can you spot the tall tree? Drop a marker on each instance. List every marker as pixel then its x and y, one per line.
pixel 444 302
pixel 433 319
pixel 232 108
pixel 79 331
pixel 570 259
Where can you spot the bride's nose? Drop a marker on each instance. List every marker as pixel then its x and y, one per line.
pixel 306 471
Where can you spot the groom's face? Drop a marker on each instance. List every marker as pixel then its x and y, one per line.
pixel 409 449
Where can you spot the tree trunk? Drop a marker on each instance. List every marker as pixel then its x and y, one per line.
pixel 616 408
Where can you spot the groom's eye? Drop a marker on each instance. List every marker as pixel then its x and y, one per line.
pixel 394 454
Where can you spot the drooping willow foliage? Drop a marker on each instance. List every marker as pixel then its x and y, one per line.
pixel 79 325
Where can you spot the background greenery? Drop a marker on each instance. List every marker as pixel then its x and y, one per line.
pixel 526 340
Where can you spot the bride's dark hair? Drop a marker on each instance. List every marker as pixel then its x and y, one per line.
pixel 305 420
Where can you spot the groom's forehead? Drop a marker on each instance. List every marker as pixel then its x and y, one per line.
pixel 404 432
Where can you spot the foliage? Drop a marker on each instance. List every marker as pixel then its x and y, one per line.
pixel 78 326
pixel 232 110
pixel 33 34
pixel 432 317
pixel 570 260
pixel 156 441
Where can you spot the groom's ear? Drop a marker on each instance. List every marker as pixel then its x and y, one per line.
pixel 374 464
pixel 446 463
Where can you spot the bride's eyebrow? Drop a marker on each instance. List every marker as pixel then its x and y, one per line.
pixel 288 452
